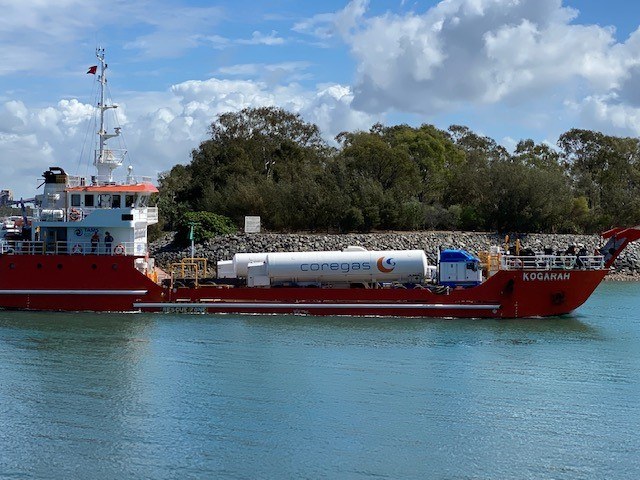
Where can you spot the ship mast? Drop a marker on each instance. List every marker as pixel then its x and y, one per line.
pixel 106 160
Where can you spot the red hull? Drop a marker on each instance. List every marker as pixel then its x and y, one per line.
pixel 508 294
pixel 99 283
pixel 73 283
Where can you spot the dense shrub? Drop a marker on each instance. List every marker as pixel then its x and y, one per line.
pixel 206 225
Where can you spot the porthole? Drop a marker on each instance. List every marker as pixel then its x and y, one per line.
pixel 59 266
pixel 12 266
pixel 39 266
pixel 94 266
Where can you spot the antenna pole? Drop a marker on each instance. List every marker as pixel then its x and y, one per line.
pixel 103 81
pixel 106 159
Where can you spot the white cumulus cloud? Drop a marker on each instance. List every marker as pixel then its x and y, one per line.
pixel 477 52
pixel 525 62
pixel 159 128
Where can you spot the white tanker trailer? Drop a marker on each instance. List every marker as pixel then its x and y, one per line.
pixel 237 268
pixel 353 265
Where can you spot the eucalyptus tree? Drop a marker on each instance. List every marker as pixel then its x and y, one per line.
pixel 605 170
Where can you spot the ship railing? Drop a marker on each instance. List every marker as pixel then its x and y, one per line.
pixel 4 247
pixel 188 269
pixel 110 156
pixel 128 180
pixel 77 181
pixel 146 214
pixel 152 214
pixel 22 247
pixel 101 248
pixel 552 262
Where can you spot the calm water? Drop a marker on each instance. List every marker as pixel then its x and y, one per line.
pixel 159 396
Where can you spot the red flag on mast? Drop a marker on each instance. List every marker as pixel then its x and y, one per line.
pixel 92 70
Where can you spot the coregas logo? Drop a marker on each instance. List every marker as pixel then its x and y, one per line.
pixel 386 265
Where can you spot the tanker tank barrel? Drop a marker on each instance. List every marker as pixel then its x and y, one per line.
pixel 352 265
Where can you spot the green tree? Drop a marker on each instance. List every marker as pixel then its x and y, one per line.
pixel 381 178
pixel 469 184
pixel 526 198
pixel 431 150
pixel 541 156
pixel 171 187
pixel 606 171
pixel 206 225
pixel 262 161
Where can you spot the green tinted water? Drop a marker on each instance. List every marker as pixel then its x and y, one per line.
pixel 159 396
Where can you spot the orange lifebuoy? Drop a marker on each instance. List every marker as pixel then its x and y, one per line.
pixel 75 215
pixel 76 249
pixel 119 250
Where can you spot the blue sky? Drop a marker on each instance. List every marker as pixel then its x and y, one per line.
pixel 509 69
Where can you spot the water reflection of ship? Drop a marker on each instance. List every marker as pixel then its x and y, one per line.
pixel 499 330
pixel 76 375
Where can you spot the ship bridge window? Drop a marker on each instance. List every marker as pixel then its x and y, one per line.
pixel 143 200
pixel 75 199
pixel 130 201
pixel 89 200
pixel 115 201
pixel 104 200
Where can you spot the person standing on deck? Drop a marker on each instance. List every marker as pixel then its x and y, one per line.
pixel 108 240
pixel 95 239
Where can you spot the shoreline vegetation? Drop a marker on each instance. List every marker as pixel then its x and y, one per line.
pixel 223 247
pixel 271 163
pixel 424 186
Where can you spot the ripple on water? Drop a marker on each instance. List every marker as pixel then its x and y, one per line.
pixel 160 396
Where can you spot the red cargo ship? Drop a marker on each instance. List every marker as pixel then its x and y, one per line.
pixel 85 249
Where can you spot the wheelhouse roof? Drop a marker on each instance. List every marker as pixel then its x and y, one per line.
pixel 135 188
